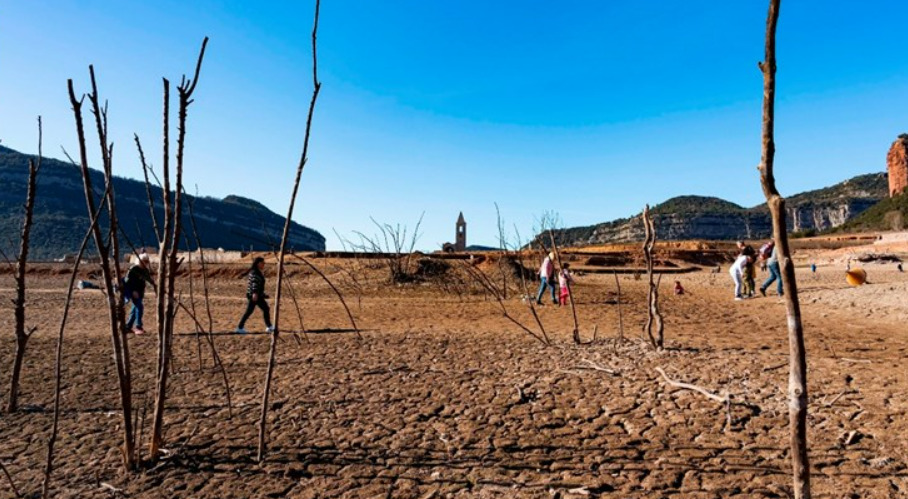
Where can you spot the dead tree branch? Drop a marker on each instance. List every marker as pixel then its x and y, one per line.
pixel 493 290
pixel 654 316
pixel 110 270
pixel 145 171
pixel 392 243
pixel 722 399
pixel 797 377
pixel 207 295
pixel 168 264
pixel 299 311
pixel 9 478
pixel 340 295
pixel 575 333
pixel 22 335
pixel 263 420
pixel 58 362
pixel 618 303
pixel 596 367
pixel 531 303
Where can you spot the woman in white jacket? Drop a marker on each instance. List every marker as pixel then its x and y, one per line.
pixel 737 273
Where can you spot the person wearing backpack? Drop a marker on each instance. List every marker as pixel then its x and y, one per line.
pixel 134 292
pixel 775 273
pixel 765 252
pixel 255 296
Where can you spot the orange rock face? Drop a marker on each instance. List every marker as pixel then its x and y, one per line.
pixel 897 165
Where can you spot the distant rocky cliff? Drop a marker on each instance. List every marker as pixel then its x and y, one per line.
pixel 897 165
pixel 699 217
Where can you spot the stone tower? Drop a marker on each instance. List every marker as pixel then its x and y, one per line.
pixel 460 242
pixel 897 165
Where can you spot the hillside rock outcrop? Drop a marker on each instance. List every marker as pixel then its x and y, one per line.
pixel 897 165
pixel 698 217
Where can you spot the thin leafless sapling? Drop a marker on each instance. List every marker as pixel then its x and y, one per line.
pixel 797 377
pixel 168 263
pixel 108 253
pixel 23 334
pixel 263 419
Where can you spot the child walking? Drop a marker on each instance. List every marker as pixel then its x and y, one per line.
pixel 564 281
pixel 255 296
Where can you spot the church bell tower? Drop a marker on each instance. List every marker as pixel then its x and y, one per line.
pixel 460 242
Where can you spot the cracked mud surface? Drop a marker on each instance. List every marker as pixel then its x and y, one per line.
pixel 445 398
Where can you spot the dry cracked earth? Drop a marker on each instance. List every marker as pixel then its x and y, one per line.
pixel 442 397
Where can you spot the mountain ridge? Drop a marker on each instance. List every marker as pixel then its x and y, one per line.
pixel 708 217
pixel 60 219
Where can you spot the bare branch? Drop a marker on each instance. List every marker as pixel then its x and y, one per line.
pixel 284 237
pixel 687 386
pixel 797 378
pixel 12 484
pixel 19 329
pixel 58 362
pixel 340 296
pixel 145 171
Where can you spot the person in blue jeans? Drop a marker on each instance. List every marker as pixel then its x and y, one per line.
pixel 775 273
pixel 134 292
pixel 546 273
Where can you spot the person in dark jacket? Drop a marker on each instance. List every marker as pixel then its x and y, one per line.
pixel 134 292
pixel 255 296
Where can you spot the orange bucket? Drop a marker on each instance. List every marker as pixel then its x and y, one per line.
pixel 856 277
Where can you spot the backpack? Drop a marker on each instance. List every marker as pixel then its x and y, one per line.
pixel 766 251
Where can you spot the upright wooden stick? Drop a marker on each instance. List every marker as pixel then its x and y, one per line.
pixel 654 317
pixel 797 376
pixel 575 333
pixel 23 334
pixel 58 363
pixel 109 265
pixel 168 263
pixel 263 420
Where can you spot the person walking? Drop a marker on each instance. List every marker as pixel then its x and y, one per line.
pixel 134 292
pixel 255 296
pixel 737 274
pixel 775 273
pixel 546 272
pixel 564 282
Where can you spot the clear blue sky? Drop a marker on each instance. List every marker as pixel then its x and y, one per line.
pixel 586 108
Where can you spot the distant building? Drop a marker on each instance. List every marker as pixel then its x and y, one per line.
pixel 460 237
pixel 897 165
pixel 460 241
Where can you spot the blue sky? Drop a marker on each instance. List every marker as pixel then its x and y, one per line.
pixel 589 109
